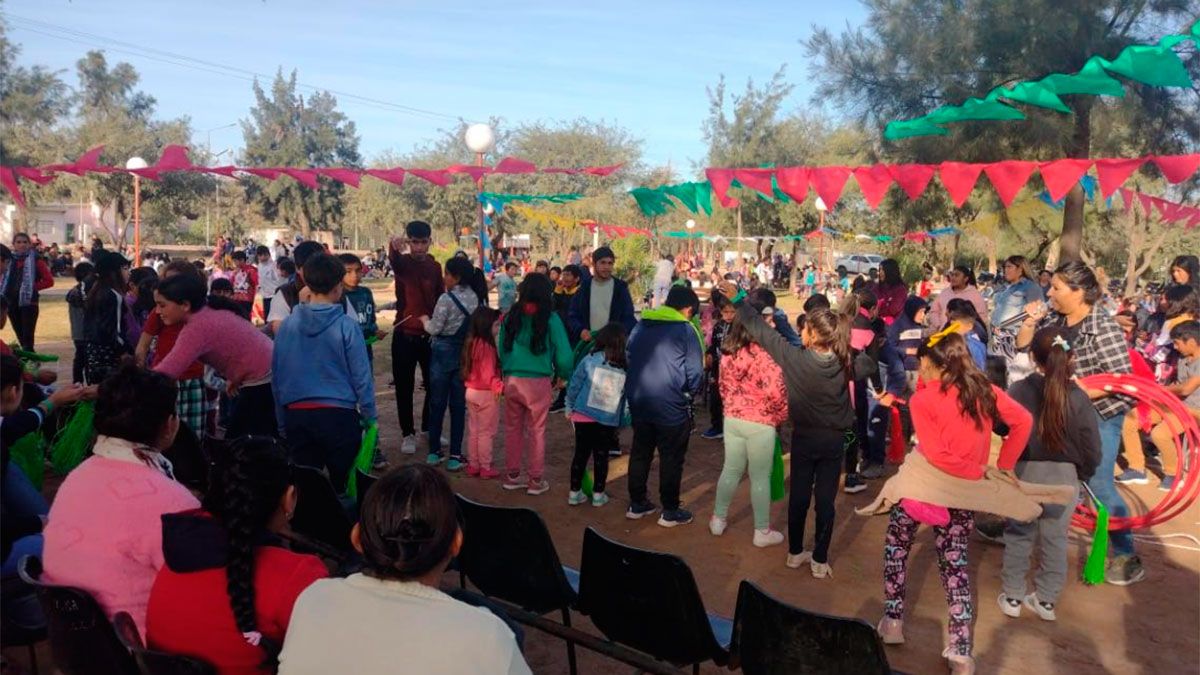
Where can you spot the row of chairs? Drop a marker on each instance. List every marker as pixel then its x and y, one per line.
pixel 84 642
pixel 649 601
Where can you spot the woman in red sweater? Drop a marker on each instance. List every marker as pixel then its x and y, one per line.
pixel 226 593
pixel 953 416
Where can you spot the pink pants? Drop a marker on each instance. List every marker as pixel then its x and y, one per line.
pixel 483 416
pixel 526 406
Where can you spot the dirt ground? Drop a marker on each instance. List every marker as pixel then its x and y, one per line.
pixel 1150 627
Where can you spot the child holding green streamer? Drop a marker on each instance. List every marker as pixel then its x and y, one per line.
pixel 818 395
pixel 755 402
pixel 1064 451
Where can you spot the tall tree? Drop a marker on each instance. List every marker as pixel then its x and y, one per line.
pixel 915 55
pixel 112 112
pixel 33 103
pixel 287 130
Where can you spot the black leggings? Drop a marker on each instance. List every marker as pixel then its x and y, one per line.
pixel 816 467
pixel 592 440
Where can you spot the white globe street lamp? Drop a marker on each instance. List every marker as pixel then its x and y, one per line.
pixel 480 139
pixel 136 163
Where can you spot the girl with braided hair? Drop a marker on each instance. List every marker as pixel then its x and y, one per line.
pixel 391 617
pixel 227 590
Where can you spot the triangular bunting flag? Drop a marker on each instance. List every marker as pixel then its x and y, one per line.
pixel 828 181
pixel 173 158
pixel 1114 172
pixel 475 172
pixel 1178 168
pixel 437 177
pixel 88 161
pixel 394 176
pixel 304 176
pixel 912 178
pixel 30 173
pixel 755 179
pixel 721 179
pixel 269 174
pixel 348 176
pixel 1063 174
pixel 959 179
pixel 874 182
pixel 1009 177
pixel 514 165
pixel 9 180
pixel 602 170
pixel 793 182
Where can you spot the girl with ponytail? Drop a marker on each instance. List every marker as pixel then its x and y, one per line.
pixel 228 587
pixel 1064 450
pixel 953 414
pixel 407 533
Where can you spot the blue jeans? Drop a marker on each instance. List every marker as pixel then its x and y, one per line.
pixel 446 389
pixel 1104 487
pixel 20 497
pixel 878 417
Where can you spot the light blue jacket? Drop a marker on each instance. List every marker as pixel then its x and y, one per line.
pixel 320 357
pixel 1012 300
pixel 581 387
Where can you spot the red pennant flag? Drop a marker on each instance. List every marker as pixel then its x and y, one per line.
pixel 149 173
pixel 959 179
pixel 30 173
pixel 793 182
pixel 9 180
pixel 921 236
pixel 269 174
pixel 514 165
pixel 755 179
pixel 1114 172
pixel 304 176
pixel 720 180
pixel 1008 178
pixel 1178 168
pixel 219 170
pixel 173 158
pixel 1147 203
pixel 912 178
pixel 1062 174
pixel 89 161
pixel 828 181
pixel 1126 197
pixel 348 176
pixel 602 170
pixel 437 177
pixel 552 169
pixel 394 176
pixel 475 172
pixel 874 182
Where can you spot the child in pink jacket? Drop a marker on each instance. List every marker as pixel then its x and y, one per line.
pixel 481 375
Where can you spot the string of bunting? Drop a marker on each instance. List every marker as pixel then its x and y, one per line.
pixel 917 236
pixel 1008 177
pixel 1154 65
pixel 175 158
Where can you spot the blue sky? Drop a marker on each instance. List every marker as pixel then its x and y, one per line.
pixel 641 65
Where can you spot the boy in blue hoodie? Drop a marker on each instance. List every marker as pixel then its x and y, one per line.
pixel 324 389
pixel 665 368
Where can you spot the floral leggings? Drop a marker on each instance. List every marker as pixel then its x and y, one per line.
pixel 951 543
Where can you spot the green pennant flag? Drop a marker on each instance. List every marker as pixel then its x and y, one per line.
pixel 975 109
pixel 1157 66
pixel 72 441
pixel 652 202
pixel 685 193
pixel 1031 93
pixel 778 488
pixel 561 198
pixel 1097 560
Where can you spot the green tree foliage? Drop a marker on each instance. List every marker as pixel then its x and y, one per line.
pixel 33 103
pixel 287 130
pixel 915 55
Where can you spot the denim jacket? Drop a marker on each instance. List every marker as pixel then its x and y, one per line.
pixel 581 387
pixel 1012 300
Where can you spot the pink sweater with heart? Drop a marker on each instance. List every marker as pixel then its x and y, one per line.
pixel 104 532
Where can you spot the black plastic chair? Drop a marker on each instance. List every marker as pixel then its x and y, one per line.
pixel 508 554
pixel 319 514
pixel 363 481
pixel 82 641
pixel 152 662
pixel 19 598
pixel 772 637
pixel 649 601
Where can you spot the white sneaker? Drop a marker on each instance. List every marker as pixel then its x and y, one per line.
pixel 408 446
pixel 1009 605
pixel 717 525
pixel 1045 610
pixel 821 570
pixel 575 498
pixel 767 537
pixel 795 561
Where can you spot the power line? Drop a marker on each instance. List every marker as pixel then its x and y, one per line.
pixel 172 58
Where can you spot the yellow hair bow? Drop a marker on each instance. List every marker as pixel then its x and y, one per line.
pixel 938 337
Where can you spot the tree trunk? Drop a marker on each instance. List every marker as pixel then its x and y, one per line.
pixel 1052 257
pixel 1080 148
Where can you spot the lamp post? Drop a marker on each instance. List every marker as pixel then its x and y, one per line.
pixel 690 225
pixel 821 209
pixel 211 157
pixel 132 164
pixel 480 139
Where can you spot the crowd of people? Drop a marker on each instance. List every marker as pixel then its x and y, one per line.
pixel 173 353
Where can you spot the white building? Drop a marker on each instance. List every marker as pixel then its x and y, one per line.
pixel 61 223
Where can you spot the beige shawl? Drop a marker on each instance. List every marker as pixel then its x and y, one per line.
pixel 994 493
